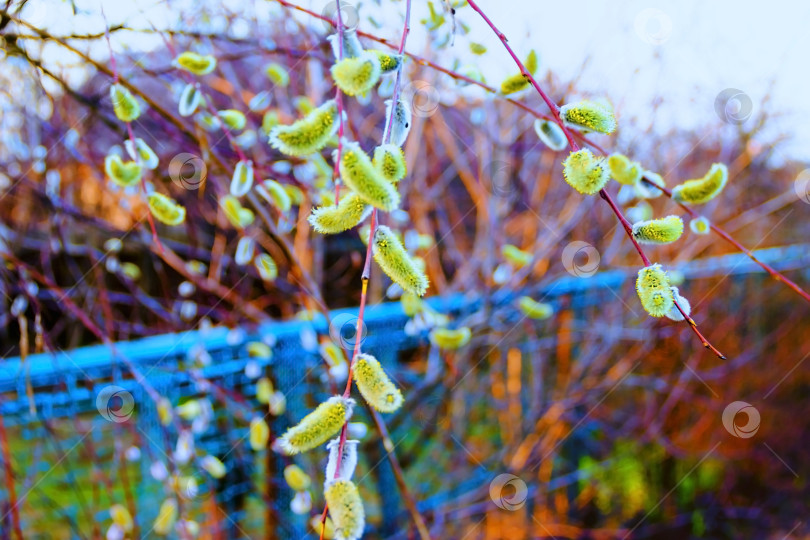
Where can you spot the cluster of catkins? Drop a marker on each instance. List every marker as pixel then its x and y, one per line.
pixel 588 174
pixel 369 182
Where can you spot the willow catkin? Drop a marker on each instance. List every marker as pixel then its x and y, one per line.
pixel 309 134
pixel 233 119
pixel 213 466
pixel 517 257
pixel 374 384
pixel 275 194
pixel 584 172
pixel 674 313
pixel 122 173
pixel 391 256
pixel 166 518
pixel 165 209
pixel 141 152
pixel 397 126
pixel 411 304
pixel 352 48
pixel 389 160
pixel 197 64
pixel 514 83
pixel 446 338
pixel 658 231
pixel 534 309
pixel 653 288
pixel 623 170
pixel 318 426
pixel 242 179
pixel 702 190
pixel 345 509
pixel 325 530
pixel 347 214
pixel 296 478
pixel 645 190
pixel 121 517
pixel 277 74
pixel 348 460
pixel 239 216
pixel 244 251
pixel 266 267
pixel 550 134
pixel 389 62
pixel 359 174
pixel 589 116
pixel 125 105
pixel 700 225
pixel 357 75
pixel 259 434
pixel 190 99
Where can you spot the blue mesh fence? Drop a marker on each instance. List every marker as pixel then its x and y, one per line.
pixel 64 451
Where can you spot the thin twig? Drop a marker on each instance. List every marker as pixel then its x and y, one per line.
pixel 555 111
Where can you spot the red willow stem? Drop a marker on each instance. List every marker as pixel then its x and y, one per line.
pixel 358 336
pixel 339 102
pixel 775 274
pixel 555 111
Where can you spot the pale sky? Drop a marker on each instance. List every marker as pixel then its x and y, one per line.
pixel 687 52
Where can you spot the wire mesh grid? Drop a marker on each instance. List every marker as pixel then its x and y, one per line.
pixel 68 457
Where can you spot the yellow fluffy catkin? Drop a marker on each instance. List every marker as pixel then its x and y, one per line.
pixel 589 116
pixel 374 384
pixel 357 75
pixel 125 105
pixel 446 338
pixel 390 161
pixel 359 174
pixel 390 254
pixel 309 134
pixel 388 62
pixel 653 288
pixel 166 209
pixel 584 172
pixel 702 190
pixel 623 170
pixel 345 509
pixel 318 426
pixel 122 173
pixel 658 231
pixel 349 212
pixel 197 64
